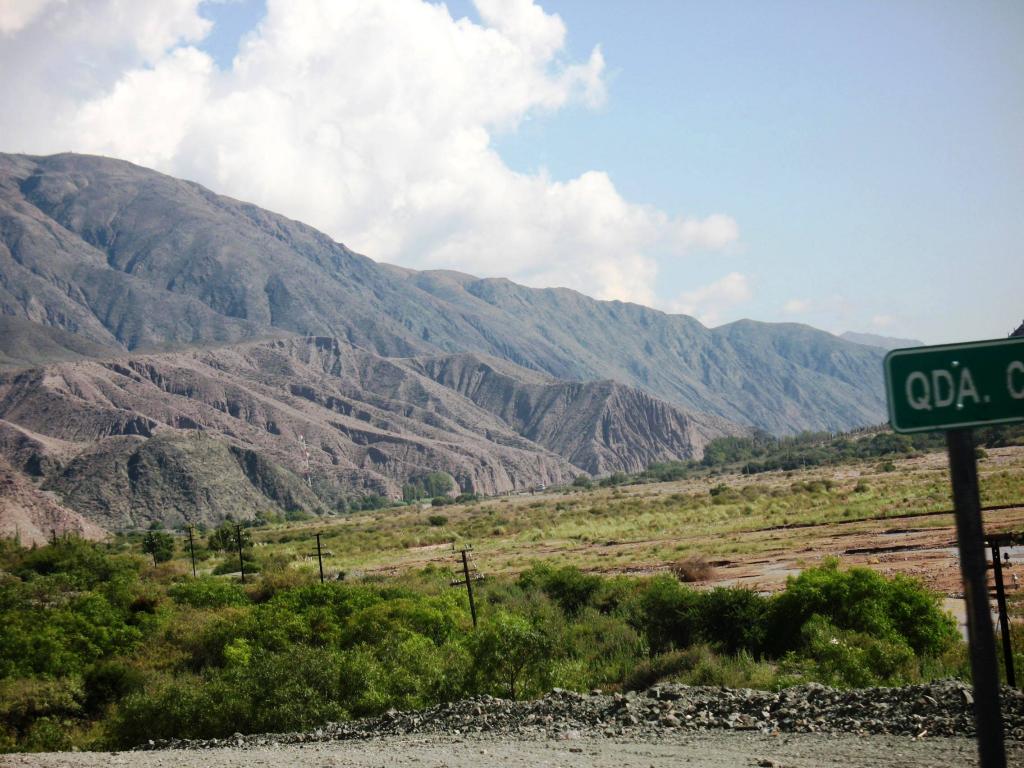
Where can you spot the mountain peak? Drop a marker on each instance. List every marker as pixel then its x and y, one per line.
pixel 881 342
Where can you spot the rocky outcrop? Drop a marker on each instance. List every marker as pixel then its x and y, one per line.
pixel 198 436
pixel 302 424
pixel 30 515
pixel 599 426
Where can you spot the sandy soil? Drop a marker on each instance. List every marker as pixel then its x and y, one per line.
pixel 711 749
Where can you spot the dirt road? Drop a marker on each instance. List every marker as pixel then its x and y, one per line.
pixel 711 749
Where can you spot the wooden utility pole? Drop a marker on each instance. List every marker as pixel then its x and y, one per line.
pixel 468 580
pixel 320 558
pixel 241 562
pixel 192 551
pixel 1004 622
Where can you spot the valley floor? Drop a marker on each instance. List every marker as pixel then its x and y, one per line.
pixel 754 530
pixel 710 749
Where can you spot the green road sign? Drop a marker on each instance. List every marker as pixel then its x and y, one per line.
pixel 955 385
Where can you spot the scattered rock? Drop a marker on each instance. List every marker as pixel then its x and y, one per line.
pixel 943 708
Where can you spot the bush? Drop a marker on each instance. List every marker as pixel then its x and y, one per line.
pixel 693 568
pixel 296 690
pixel 860 600
pixel 569 587
pixel 614 479
pixel 108 681
pixel 208 592
pixel 668 615
pixel 604 649
pixel 844 658
pixel 31 710
pixel 230 563
pixel 437 520
pixel 733 620
pixel 159 544
pixel 225 538
pixel 650 671
pixel 511 657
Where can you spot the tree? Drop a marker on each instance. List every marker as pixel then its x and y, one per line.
pixel 160 545
pixel 225 538
pixel 511 655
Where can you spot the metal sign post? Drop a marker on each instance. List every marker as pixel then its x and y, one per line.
pixel 955 387
pixel 988 721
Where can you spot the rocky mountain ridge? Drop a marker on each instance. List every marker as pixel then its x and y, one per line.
pixel 172 354
pixel 128 258
pixel 189 436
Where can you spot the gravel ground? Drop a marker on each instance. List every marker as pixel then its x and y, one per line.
pixel 810 725
pixel 711 749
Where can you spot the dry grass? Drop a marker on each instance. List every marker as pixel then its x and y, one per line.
pixel 647 528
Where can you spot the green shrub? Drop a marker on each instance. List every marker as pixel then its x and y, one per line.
pixel 437 520
pixel 668 615
pixel 296 690
pixel 31 710
pixel 159 544
pixel 107 681
pixel 603 649
pixel 898 609
pixel 230 563
pixel 845 658
pixel 569 587
pixel 208 592
pixel 511 657
pixel 733 620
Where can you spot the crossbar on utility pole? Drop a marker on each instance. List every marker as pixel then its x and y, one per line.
pixel 1004 623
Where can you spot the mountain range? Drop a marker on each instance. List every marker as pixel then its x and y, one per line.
pixel 171 354
pixel 882 342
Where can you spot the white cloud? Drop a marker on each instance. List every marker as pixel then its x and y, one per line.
pixel 711 303
pixel 882 321
pixel 15 15
pixel 796 306
pixel 370 120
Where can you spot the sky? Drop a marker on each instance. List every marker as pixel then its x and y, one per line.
pixel 850 165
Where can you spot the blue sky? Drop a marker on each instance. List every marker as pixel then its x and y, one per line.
pixel 871 152
pixel 866 158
